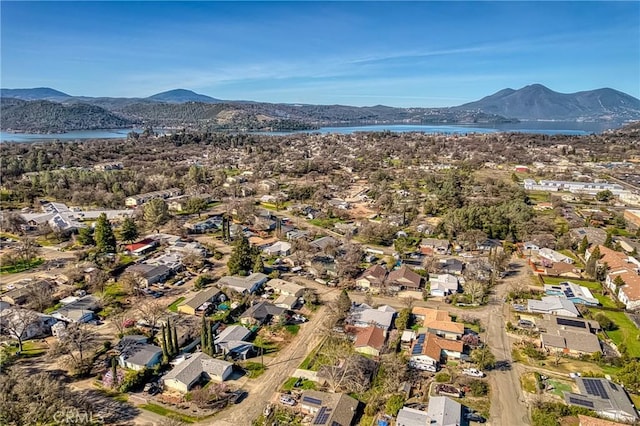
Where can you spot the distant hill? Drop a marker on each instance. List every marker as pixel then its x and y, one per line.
pixel 537 102
pixel 184 108
pixel 51 117
pixel 181 96
pixel 45 93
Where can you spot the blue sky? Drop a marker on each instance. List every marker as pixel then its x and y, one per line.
pixel 361 53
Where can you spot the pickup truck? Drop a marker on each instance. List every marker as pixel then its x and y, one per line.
pixel 473 372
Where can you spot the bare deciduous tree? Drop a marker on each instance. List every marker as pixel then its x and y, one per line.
pixel 77 341
pixel 19 323
pixel 348 375
pixel 37 399
pixel 475 289
pixel 151 312
pixel 40 295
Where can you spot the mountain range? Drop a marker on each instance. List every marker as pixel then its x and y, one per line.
pixel 49 110
pixel 537 102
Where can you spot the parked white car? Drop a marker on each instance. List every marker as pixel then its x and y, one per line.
pixel 287 400
pixel 473 372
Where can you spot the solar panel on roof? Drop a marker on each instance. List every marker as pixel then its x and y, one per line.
pixel 311 400
pixel 580 401
pixel 323 416
pixel 595 387
pixel 571 322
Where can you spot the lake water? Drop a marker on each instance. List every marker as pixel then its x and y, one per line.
pixel 539 127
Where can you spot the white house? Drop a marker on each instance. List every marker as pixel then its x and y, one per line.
pixel 554 256
pixel 443 284
pixel 200 366
pixel 555 305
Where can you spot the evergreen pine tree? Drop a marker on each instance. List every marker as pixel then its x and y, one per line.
pixel 258 265
pixel 210 343
pixel 608 243
pixel 129 230
pixel 203 335
pixel 104 236
pixel 241 259
pixel 584 244
pixel 592 263
pixel 344 303
pixel 170 349
pixel 176 346
pixel 165 350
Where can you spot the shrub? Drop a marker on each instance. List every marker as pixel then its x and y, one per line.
pixel 479 388
pixel 133 380
pixel 443 377
pixel 394 404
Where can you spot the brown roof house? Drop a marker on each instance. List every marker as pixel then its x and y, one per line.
pixel 403 278
pixel 370 341
pixel 429 349
pixel 438 322
pixel 373 278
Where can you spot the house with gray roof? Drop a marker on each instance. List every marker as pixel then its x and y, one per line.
pixel 444 411
pixel 77 311
pixel 324 242
pixel 555 305
pixel 605 397
pixel 233 341
pixel 150 274
pixel 138 356
pixel 244 285
pixel 199 366
pixel 262 313
pixel 570 342
pixel 363 316
pixel 412 417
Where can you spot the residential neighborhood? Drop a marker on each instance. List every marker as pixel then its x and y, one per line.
pixel 464 295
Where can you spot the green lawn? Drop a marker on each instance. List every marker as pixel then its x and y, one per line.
pixel 559 387
pixel 538 196
pixel 591 285
pixel 254 369
pixel 115 291
pixel 174 306
pixel 306 384
pixel 30 349
pixel 605 301
pixel 21 267
pixel 626 333
pixel 158 409
pixel 292 329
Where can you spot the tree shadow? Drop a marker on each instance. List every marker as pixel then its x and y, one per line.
pixel 107 409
